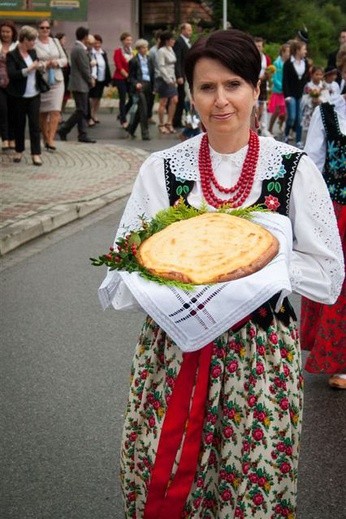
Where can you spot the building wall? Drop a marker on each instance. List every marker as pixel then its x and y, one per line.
pixel 109 18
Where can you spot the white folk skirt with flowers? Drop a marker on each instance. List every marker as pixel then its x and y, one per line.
pixel 248 455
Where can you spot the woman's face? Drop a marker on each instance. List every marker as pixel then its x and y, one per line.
pixel 317 76
pixel 43 29
pixel 97 45
pixel 223 99
pixel 6 34
pixel 28 44
pixel 301 53
pixel 286 54
pixel 127 42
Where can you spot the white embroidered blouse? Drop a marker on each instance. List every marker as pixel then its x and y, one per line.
pixel 316 268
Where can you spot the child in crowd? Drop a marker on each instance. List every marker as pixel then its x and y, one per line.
pixel 315 93
pixel 329 77
pixel 277 104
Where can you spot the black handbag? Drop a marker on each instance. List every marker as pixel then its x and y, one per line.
pixel 42 84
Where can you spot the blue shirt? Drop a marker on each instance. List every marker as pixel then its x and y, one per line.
pixel 143 60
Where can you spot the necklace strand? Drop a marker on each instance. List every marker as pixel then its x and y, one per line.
pixel 241 190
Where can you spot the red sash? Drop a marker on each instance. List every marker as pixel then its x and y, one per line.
pixel 166 498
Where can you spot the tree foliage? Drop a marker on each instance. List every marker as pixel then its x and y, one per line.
pixel 279 21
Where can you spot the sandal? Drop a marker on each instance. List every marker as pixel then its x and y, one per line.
pixel 170 128
pixel 163 129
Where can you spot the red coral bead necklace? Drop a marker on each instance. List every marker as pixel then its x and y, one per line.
pixel 241 190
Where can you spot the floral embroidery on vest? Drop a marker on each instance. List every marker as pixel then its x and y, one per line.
pixel 176 188
pixel 334 171
pixel 276 191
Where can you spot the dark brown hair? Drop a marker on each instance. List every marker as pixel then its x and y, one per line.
pixel 164 37
pixel 234 49
pixel 124 35
pixel 11 25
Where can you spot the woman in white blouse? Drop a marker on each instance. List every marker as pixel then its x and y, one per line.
pixel 216 427
pixel 24 90
pixel 51 54
pixel 102 78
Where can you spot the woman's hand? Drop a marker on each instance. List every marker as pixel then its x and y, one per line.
pixel 34 66
pixel 53 63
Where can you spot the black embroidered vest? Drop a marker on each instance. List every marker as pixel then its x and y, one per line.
pixel 334 170
pixel 275 194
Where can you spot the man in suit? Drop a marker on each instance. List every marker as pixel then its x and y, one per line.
pixel 80 83
pixel 141 79
pixel 181 46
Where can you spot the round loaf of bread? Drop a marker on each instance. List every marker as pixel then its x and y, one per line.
pixel 210 248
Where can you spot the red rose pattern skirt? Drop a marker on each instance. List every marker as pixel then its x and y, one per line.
pixel 323 327
pixel 248 457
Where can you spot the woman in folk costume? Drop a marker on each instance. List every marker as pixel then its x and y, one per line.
pixel 323 327
pixel 214 414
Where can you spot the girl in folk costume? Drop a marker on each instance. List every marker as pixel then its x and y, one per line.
pixel 323 327
pixel 214 414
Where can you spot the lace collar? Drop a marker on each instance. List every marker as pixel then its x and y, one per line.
pixel 184 158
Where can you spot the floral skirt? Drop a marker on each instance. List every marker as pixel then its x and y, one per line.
pixel 248 454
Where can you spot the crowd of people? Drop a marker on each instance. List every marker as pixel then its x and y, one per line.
pixel 291 87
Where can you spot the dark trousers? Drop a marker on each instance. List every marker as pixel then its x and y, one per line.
pixel 144 100
pixel 177 119
pixel 79 117
pixel 6 116
pixel 123 87
pixel 27 107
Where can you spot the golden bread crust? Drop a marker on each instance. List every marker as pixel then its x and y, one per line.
pixel 209 248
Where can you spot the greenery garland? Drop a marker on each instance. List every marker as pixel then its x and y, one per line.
pixel 124 255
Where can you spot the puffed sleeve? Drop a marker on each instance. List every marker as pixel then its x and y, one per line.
pixel 317 268
pixel 149 195
pixel 315 145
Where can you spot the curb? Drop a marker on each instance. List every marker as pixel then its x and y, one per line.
pixel 20 232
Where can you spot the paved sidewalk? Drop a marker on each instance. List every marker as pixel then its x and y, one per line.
pixel 73 181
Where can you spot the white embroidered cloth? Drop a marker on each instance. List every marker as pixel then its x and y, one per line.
pixel 196 317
